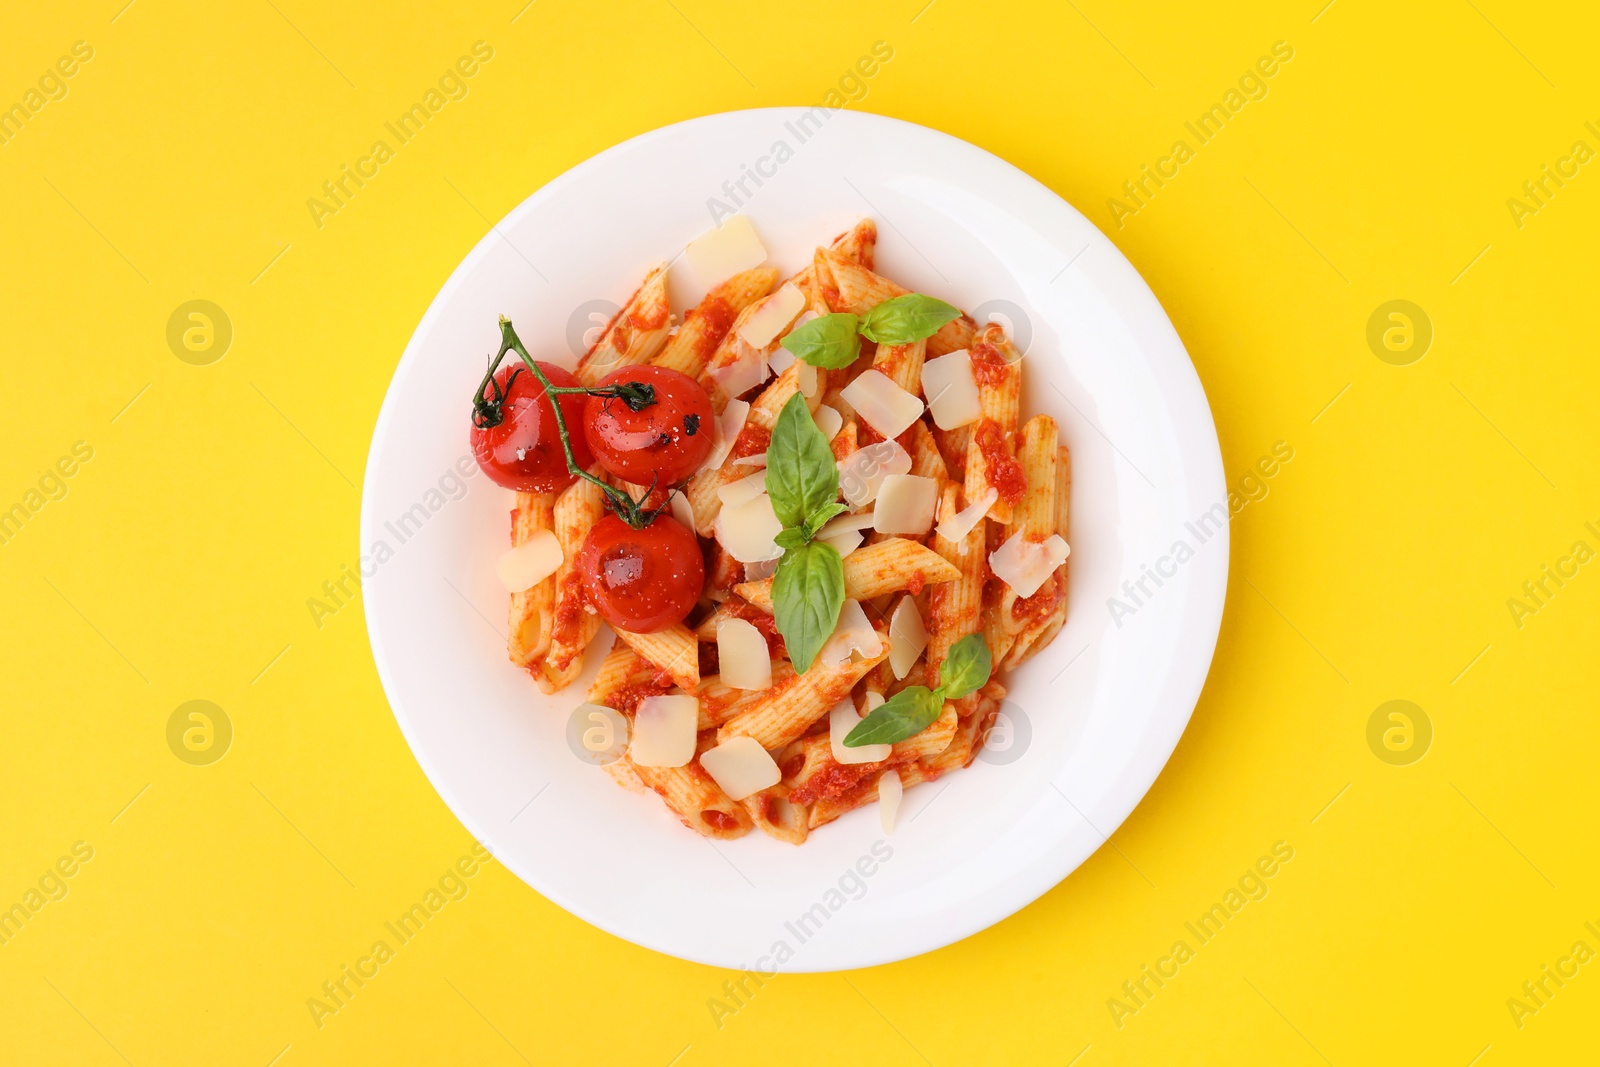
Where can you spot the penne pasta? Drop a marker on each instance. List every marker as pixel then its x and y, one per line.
pixel 775 816
pixel 533 611
pixel 902 364
pixel 576 511
pixel 858 290
pixel 698 802
pixel 990 461
pixel 705 326
pixel 635 334
pixel 889 566
pixel 955 607
pixel 673 650
pixel 791 706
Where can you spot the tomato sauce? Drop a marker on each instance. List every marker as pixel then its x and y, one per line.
pixel 719 821
pixel 717 317
pixel 1004 472
pixel 832 782
pixel 626 699
pixel 752 441
pixel 570 601
pixel 653 321
pixel 917 583
pixel 989 367
pixel 866 435
pixel 1040 604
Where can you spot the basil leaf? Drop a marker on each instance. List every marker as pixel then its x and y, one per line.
pixel 820 518
pixel 908 318
pixel 807 593
pixel 790 537
pixel 903 715
pixel 801 476
pixel 966 668
pixel 829 341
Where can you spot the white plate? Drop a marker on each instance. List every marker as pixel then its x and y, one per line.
pixel 1103 707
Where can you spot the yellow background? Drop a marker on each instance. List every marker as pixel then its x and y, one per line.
pixel 1379 566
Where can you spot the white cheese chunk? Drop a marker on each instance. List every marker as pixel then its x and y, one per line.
pixel 882 404
pixel 863 471
pixel 906 503
pixel 747 530
pixel 745 660
pixel 780 360
pixel 828 420
pixel 530 562
pixel 1024 565
pixel 852 633
pixel 761 568
pixel 841 720
pixel 740 766
pixel 844 542
pixel 757 460
pixel 743 374
pixel 907 636
pixel 808 380
pixel 890 790
pixel 664 731
pixel 743 491
pixel 771 316
pixel 729 425
pixel 805 317
pixel 956 527
pixel 681 509
pixel 951 390
pixel 839 524
pixel 725 251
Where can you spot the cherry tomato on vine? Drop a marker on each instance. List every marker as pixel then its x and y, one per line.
pixel 665 441
pixel 641 580
pixel 522 450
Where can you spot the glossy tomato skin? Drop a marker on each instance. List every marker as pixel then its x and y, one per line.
pixel 665 442
pixel 642 580
pixel 524 452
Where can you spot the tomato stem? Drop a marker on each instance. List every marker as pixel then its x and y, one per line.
pixel 620 502
pixel 488 411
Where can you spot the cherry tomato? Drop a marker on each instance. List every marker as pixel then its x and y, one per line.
pixel 641 580
pixel 665 442
pixel 524 451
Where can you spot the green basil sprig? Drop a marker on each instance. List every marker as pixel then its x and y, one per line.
pixel 904 319
pixel 910 711
pixel 830 341
pixel 803 483
pixel 834 341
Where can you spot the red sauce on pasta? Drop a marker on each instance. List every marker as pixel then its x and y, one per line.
pixel 917 583
pixel 1040 604
pixel 752 441
pixel 989 367
pixel 832 782
pixel 569 606
pixel 720 821
pixel 716 317
pixel 1004 472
